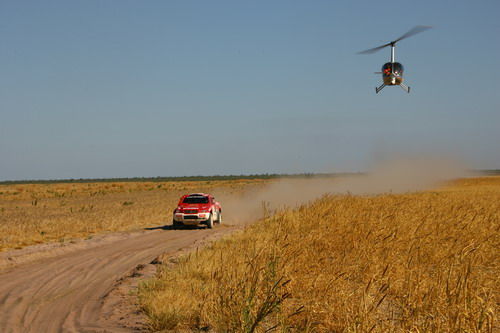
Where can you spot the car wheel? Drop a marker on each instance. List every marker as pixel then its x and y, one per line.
pixel 210 222
pixel 219 217
pixel 176 223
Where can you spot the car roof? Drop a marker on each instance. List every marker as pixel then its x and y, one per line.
pixel 197 195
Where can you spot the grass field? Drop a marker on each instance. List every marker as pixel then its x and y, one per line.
pixel 415 262
pixel 40 213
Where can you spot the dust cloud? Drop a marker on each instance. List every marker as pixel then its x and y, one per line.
pixel 397 175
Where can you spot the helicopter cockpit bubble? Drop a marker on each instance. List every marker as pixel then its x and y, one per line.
pixel 394 68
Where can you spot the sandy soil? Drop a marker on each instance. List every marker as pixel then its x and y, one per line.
pixel 86 286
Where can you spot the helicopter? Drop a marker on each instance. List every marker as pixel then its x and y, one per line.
pixel 392 72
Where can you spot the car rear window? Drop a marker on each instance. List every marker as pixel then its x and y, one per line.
pixel 196 199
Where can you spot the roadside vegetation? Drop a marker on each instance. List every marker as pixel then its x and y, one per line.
pixel 59 212
pixel 173 179
pixel 416 262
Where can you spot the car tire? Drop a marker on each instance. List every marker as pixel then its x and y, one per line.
pixel 176 224
pixel 210 221
pixel 219 217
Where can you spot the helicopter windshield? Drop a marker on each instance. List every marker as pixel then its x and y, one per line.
pixel 394 68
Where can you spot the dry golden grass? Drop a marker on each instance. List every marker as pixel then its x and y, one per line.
pixel 35 213
pixel 418 262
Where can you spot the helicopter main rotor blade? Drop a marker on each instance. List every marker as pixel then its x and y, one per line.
pixel 413 31
pixel 375 49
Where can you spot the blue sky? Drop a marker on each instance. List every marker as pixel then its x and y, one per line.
pixel 170 88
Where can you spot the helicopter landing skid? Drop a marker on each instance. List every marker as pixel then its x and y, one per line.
pixel 402 85
pixel 405 87
pixel 377 89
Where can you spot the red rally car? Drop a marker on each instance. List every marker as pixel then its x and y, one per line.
pixel 197 208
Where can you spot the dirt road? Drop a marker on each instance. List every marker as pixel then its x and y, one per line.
pixel 74 290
